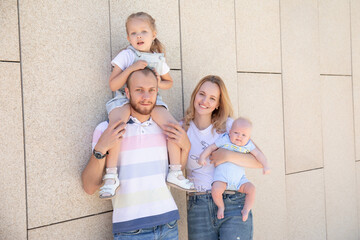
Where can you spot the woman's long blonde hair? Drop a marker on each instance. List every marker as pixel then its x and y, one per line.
pixel 219 115
pixel 156 46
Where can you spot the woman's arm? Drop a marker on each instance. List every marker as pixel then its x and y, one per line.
pixel 119 77
pixel 241 159
pixel 176 134
pixel 92 175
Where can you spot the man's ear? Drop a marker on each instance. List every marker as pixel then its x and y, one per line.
pixel 127 92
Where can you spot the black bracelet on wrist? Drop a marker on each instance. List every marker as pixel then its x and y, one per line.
pixel 99 155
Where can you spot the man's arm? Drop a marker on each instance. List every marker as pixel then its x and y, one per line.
pixel 92 175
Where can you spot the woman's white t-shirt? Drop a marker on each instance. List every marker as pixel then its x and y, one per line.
pixel 202 176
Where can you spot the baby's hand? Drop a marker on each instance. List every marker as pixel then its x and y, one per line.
pixel 141 64
pixel 202 161
pixel 266 170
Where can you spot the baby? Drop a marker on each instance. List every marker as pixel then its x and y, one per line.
pixel 229 176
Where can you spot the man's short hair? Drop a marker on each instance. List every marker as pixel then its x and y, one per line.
pixel 146 71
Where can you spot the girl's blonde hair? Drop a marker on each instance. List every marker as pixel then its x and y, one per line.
pixel 156 46
pixel 220 114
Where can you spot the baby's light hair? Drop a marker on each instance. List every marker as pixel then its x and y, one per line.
pixel 243 121
pixel 156 46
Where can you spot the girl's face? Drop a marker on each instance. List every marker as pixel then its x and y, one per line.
pixel 140 34
pixel 207 98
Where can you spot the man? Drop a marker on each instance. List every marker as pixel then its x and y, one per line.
pixel 143 206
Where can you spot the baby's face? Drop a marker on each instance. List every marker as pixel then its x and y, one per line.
pixel 239 135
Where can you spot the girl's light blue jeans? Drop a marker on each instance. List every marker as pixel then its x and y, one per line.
pixel 203 223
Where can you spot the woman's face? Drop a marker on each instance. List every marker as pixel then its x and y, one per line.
pixel 207 98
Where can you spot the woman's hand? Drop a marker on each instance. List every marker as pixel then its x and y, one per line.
pixel 218 157
pixel 241 159
pixel 176 134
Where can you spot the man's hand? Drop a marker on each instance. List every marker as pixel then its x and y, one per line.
pixel 111 137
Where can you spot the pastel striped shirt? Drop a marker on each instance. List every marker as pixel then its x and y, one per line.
pixel 143 199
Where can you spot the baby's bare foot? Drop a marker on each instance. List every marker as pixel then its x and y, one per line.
pixel 245 214
pixel 220 213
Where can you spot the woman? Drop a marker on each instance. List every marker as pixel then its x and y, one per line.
pixel 206 118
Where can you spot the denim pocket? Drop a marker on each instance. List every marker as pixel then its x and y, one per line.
pixel 129 233
pixel 172 224
pixel 190 204
pixel 240 198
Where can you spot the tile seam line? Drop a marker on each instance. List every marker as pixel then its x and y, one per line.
pixel 335 75
pixel 321 120
pixel 23 122
pixel 110 42
pixel 282 88
pixel 236 45
pixel 109 7
pixel 236 60
pixel 259 72
pixel 353 98
pixel 9 61
pixel 352 78
pixel 304 171
pixel 181 62
pixel 69 220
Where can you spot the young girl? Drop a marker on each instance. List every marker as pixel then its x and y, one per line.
pixel 145 50
pixel 229 176
pixel 206 119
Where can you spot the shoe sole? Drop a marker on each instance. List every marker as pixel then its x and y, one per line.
pixel 178 187
pixel 109 197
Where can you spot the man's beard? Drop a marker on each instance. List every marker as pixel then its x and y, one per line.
pixel 143 111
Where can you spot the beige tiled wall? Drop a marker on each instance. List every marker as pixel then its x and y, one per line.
pixel 12 169
pixel 65 53
pixel 267 119
pixel 208 44
pixel 339 157
pixel 301 85
pixel 335 44
pixel 305 203
pixel 355 45
pixel 258 38
pixel 292 67
pixel 9 31
pixel 91 228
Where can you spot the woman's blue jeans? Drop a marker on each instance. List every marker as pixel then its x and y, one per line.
pixel 204 225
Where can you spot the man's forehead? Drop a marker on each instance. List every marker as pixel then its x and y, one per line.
pixel 140 80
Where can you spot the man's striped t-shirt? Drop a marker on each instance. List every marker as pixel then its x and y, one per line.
pixel 143 199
